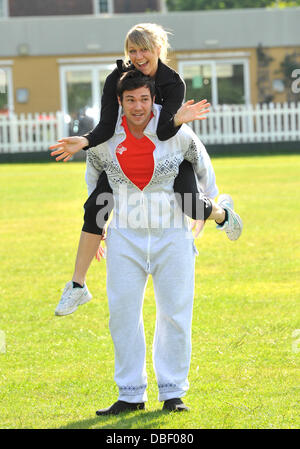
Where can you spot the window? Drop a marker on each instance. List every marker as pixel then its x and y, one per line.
pixel 81 88
pixel 3 8
pixel 220 82
pixel 103 6
pixel 230 80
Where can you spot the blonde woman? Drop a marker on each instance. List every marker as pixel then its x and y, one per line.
pixel 146 47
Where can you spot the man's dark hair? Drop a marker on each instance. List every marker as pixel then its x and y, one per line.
pixel 133 79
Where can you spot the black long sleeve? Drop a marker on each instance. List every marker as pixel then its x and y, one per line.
pixel 109 112
pixel 173 95
pixel 170 92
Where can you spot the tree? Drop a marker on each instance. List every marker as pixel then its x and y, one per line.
pixel 288 66
pixel 194 5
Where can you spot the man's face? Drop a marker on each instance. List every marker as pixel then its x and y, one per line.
pixel 137 106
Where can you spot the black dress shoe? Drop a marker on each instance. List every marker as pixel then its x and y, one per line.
pixel 175 405
pixel 121 406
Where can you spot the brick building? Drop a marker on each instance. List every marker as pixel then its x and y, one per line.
pixel 59 63
pixel 21 8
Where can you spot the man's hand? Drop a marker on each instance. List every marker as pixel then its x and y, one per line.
pixel 68 146
pixel 191 111
pixel 197 227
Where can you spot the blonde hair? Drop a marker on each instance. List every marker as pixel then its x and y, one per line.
pixel 150 36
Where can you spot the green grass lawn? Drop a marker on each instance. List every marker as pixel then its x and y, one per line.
pixel 57 371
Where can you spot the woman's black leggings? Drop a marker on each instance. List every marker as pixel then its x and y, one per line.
pixel 194 204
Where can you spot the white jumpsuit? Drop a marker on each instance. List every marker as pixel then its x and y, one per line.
pixel 150 235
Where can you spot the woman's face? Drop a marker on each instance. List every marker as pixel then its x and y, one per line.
pixel 144 60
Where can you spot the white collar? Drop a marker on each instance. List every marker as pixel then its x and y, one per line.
pixel 150 128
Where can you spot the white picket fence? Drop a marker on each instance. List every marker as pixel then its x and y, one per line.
pixel 32 132
pixel 225 124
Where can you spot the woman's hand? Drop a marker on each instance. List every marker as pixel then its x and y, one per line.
pixel 68 146
pixel 101 252
pixel 191 111
pixel 197 227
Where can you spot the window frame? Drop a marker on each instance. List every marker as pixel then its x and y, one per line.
pixel 96 97
pixel 5 9
pixel 213 63
pixel 96 5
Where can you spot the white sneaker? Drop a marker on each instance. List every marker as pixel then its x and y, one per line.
pixel 71 298
pixel 233 226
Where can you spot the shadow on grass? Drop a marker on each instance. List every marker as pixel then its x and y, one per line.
pixel 125 420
